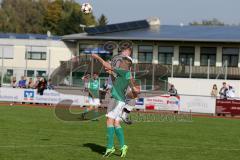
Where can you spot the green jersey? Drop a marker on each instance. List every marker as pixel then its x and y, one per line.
pixel 93 87
pixel 120 84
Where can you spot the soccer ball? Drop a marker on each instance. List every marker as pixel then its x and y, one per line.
pixel 86 8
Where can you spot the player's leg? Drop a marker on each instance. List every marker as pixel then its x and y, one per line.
pixel 110 127
pixel 88 108
pixel 110 137
pixel 120 135
pixel 118 129
pixel 95 108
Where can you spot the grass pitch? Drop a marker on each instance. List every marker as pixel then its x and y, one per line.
pixel 28 133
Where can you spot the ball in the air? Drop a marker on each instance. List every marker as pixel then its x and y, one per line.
pixel 86 8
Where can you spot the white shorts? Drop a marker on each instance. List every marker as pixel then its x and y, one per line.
pixel 94 101
pixel 114 110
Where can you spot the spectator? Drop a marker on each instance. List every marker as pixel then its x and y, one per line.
pixel 214 91
pixel 50 85
pixel 223 91
pixel 36 82
pixel 41 86
pixel 231 92
pixel 22 82
pixel 172 91
pixel 30 83
pixel 14 82
pixel 105 85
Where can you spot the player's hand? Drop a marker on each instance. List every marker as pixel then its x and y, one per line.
pixel 109 71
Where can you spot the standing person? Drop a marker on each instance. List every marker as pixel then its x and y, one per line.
pixel 133 88
pixel 22 82
pixel 214 91
pixel 37 82
pixel 122 77
pixel 30 83
pixel 93 94
pixel 223 91
pixel 42 85
pixel 231 92
pixel 14 82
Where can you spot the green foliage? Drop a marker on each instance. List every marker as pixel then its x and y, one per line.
pixel 38 16
pixel 102 21
pixel 211 22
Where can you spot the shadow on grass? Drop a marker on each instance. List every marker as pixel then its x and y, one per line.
pixel 95 148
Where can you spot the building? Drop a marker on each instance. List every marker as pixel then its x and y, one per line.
pixel 163 51
pixel 159 52
pixel 30 55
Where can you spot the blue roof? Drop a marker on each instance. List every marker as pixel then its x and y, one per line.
pixel 28 36
pixel 169 33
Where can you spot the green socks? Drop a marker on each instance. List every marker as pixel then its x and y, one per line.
pixel 110 136
pixel 120 135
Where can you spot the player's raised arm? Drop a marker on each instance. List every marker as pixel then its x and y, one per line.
pixel 106 65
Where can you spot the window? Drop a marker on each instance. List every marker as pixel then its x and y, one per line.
pixel 145 54
pixel 231 56
pixel 83 48
pixel 9 72
pixel 106 55
pixel 6 52
pixel 208 53
pixel 165 55
pixel 36 55
pixel 186 54
pixel 82 51
pixel 29 73
pixel 41 73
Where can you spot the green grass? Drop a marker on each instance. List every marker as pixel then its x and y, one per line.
pixel 36 134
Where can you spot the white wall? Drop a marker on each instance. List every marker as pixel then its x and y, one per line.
pixel 195 86
pixel 58 49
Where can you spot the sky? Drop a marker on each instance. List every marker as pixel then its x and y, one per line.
pixel 172 12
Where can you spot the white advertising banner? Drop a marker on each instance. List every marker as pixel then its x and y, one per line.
pixel 183 103
pixel 164 102
pixel 31 96
pixel 198 104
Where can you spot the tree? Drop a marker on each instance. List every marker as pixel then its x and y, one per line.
pixel 102 21
pixel 38 16
pixel 211 22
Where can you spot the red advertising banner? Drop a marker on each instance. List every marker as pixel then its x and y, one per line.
pixel 224 106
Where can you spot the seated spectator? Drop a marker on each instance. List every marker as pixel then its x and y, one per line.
pixel 22 82
pixel 223 91
pixel 50 85
pixel 214 91
pixel 14 82
pixel 30 83
pixel 231 92
pixel 172 91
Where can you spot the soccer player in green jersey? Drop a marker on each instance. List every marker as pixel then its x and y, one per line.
pixel 119 87
pixel 93 95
